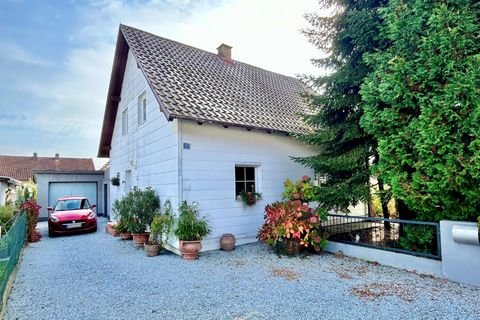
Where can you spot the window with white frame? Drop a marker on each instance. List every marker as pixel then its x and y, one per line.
pixel 244 179
pixel 125 122
pixel 142 108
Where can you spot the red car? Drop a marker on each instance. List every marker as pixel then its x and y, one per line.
pixel 71 214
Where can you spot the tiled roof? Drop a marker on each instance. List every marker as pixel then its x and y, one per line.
pixel 21 168
pixel 197 85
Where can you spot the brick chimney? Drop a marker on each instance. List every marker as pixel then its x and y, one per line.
pixel 34 156
pixel 225 52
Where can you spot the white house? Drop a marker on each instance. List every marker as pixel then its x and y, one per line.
pixel 8 188
pixel 200 126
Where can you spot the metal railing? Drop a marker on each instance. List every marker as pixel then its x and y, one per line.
pixel 418 238
pixel 11 245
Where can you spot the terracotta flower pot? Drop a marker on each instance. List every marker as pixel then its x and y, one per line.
pixel 227 242
pixel 151 249
pixel 139 239
pixel 110 229
pixel 125 235
pixel 190 249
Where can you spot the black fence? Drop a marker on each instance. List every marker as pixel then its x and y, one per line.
pixel 417 238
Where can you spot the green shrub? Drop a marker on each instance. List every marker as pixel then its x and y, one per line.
pixel 418 238
pixel 190 225
pixel 137 209
pixel 160 228
pixel 6 217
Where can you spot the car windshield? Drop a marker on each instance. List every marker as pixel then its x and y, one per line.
pixel 72 204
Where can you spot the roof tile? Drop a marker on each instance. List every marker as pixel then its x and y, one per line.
pixel 199 85
pixel 21 167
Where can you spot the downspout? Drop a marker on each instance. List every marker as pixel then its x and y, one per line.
pixel 180 160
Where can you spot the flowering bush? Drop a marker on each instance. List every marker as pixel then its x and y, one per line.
pixel 33 210
pixel 302 190
pixel 292 220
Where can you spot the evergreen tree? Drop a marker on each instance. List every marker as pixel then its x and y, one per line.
pixel 422 104
pixel 344 148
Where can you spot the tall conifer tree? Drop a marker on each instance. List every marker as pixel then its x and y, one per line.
pixel 422 104
pixel 344 149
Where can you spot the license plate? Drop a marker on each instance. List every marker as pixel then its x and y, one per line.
pixel 73 225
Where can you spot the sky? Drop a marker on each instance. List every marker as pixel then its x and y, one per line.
pixel 56 58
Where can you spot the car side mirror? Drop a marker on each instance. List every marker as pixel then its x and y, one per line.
pixel 94 206
pixel 50 208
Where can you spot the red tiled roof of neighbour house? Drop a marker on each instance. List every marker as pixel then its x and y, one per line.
pixel 197 85
pixel 22 167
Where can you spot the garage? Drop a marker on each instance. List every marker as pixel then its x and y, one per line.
pixel 52 185
pixel 63 189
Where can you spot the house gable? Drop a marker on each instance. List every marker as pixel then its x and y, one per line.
pixel 146 153
pixel 192 84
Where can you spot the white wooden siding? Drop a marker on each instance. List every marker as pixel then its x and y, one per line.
pixel 208 170
pixel 149 150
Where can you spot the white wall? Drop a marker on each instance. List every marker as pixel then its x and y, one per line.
pixel 392 259
pixel 150 150
pixel 460 260
pixel 208 169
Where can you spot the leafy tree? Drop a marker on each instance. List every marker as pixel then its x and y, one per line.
pixel 422 105
pixel 344 148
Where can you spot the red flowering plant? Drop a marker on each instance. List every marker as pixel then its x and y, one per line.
pixel 292 220
pixel 250 198
pixel 303 190
pixel 33 210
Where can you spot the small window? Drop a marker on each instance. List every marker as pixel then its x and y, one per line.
pixel 125 122
pixel 142 108
pixel 244 179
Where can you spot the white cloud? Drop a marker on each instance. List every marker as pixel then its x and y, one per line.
pixel 15 53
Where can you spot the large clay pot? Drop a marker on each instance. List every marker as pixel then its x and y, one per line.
pixel 151 249
pixel 139 239
pixel 125 235
pixel 227 242
pixel 190 249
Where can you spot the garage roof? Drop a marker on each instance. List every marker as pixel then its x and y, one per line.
pixel 22 167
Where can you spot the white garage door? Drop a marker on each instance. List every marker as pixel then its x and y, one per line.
pixel 65 189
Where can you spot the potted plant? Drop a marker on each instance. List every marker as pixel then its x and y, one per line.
pixel 143 204
pixel 121 229
pixel 190 229
pixel 250 198
pixel 121 208
pixel 115 181
pixel 159 231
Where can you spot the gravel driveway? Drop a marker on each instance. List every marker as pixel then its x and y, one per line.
pixel 96 276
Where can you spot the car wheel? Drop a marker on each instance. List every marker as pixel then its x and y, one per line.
pixel 94 230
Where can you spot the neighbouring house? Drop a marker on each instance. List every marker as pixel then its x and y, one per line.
pixel 202 127
pixel 54 177
pixel 8 188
